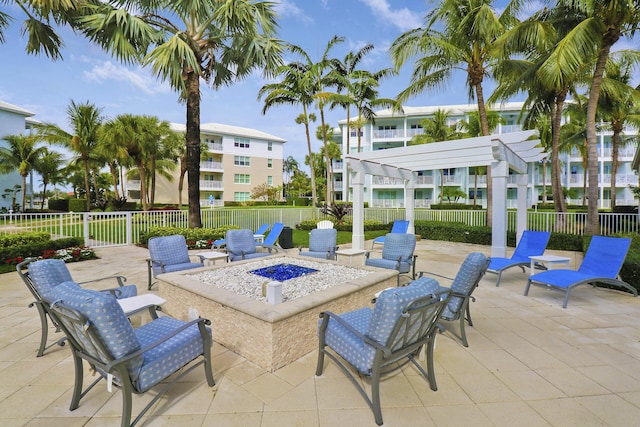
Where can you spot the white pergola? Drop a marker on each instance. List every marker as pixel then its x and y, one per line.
pixel 504 152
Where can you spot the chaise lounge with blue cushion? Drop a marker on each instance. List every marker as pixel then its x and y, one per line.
pixel 399 226
pixel 532 243
pixel 601 264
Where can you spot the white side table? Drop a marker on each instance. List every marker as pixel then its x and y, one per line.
pixel 132 304
pixel 350 253
pixel 212 256
pixel 259 238
pixel 552 262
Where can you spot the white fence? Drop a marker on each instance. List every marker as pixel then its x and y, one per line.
pixel 123 228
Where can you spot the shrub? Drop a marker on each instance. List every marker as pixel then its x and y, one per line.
pixel 456 206
pixel 77 205
pixel 197 238
pixel 61 205
pixel 23 239
pixel 369 225
pixel 9 255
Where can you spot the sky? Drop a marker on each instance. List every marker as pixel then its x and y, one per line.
pixel 87 73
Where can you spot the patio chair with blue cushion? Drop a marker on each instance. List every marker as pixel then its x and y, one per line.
pixel 134 360
pixel 399 226
pixel 322 243
pixel 241 245
pixel 601 264
pixel 462 286
pixel 397 254
pixel 532 243
pixel 41 276
pixel 379 340
pixel 168 254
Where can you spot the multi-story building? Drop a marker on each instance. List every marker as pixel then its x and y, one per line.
pixel 239 159
pixel 393 129
pixel 14 120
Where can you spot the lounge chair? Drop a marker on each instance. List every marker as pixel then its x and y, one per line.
pixel 397 254
pixel 322 244
pixel 601 264
pixel 270 241
pixel 168 254
pixel 241 245
pixel 532 243
pixel 133 360
pixel 217 244
pixel 399 226
pixel 463 285
pixel 387 337
pixel 41 276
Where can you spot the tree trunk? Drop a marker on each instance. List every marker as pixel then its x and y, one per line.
pixel 24 191
pixel 327 159
pixel 593 223
pixel 87 187
pixel 484 128
pixel 143 185
pixel 44 194
pixel 312 169
pixel 113 169
pixel 183 171
pixel 152 187
pixel 193 148
pixel 544 181
pixel 556 170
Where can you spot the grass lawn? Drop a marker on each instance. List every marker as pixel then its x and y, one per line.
pixel 301 237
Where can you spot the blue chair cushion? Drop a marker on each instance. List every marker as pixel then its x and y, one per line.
pixel 168 250
pixel 465 282
pixel 388 263
pixel 104 312
pixel 46 274
pixel 179 267
pixel 165 359
pixel 239 242
pixel 126 291
pixel 348 345
pixel 322 240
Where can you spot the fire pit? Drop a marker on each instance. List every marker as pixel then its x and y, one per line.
pixel 271 336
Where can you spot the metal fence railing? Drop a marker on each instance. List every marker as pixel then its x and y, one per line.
pixel 124 228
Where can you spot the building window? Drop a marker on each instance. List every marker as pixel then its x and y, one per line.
pixel 241 142
pixel 242 178
pixel 269 146
pixel 270 163
pixel 241 161
pixel 354 132
pixel 241 196
pixel 269 180
pixel 473 194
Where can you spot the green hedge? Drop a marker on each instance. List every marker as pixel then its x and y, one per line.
pixel 35 249
pixel 77 205
pixel 369 225
pixel 23 239
pixel 61 205
pixel 456 206
pixel 192 235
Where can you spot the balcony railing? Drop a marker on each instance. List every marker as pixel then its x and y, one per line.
pixel 451 179
pixel 388 133
pixel 210 185
pixel 424 180
pixel 211 166
pixel 385 180
pixel 215 146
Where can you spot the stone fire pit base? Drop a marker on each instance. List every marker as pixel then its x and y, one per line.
pixel 271 336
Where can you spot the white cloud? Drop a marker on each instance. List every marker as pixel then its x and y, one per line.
pixel 403 19
pixel 138 77
pixel 289 8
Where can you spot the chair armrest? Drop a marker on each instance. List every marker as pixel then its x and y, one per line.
pixel 201 321
pixel 326 315
pixel 422 273
pixel 200 257
pixel 268 247
pixel 120 279
pixel 366 254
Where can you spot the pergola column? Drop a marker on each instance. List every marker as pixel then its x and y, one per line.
pixel 409 203
pixel 521 214
pixel 499 174
pixel 357 182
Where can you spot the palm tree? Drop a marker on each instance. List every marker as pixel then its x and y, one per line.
pixel 49 166
pixel 320 78
pixel 574 136
pixel 296 88
pixel 183 41
pixel 618 106
pixel 289 168
pixel 604 23
pixel 85 120
pixel 21 154
pixel 460 34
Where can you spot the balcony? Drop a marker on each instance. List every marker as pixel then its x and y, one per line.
pixel 133 185
pixel 211 166
pixel 211 185
pixel 621 179
pixel 451 180
pixel 387 203
pixel 217 203
pixel 424 180
pixel 338 185
pixel 215 146
pixel 385 180
pixel 388 133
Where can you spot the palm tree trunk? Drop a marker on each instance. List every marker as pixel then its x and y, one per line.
pixel 484 127
pixel 183 171
pixel 44 194
pixel 87 187
pixel 24 191
pixel 152 187
pixel 143 186
pixel 615 148
pixel 556 171
pixel 312 171
pixel 544 181
pixel 327 159
pixel 193 148
pixel 593 223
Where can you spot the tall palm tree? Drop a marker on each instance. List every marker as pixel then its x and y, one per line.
pixel 618 107
pixel 573 136
pixel 289 167
pixel 84 120
pixel 21 154
pixel 459 35
pixel 604 23
pixel 296 88
pixel 184 41
pixel 49 166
